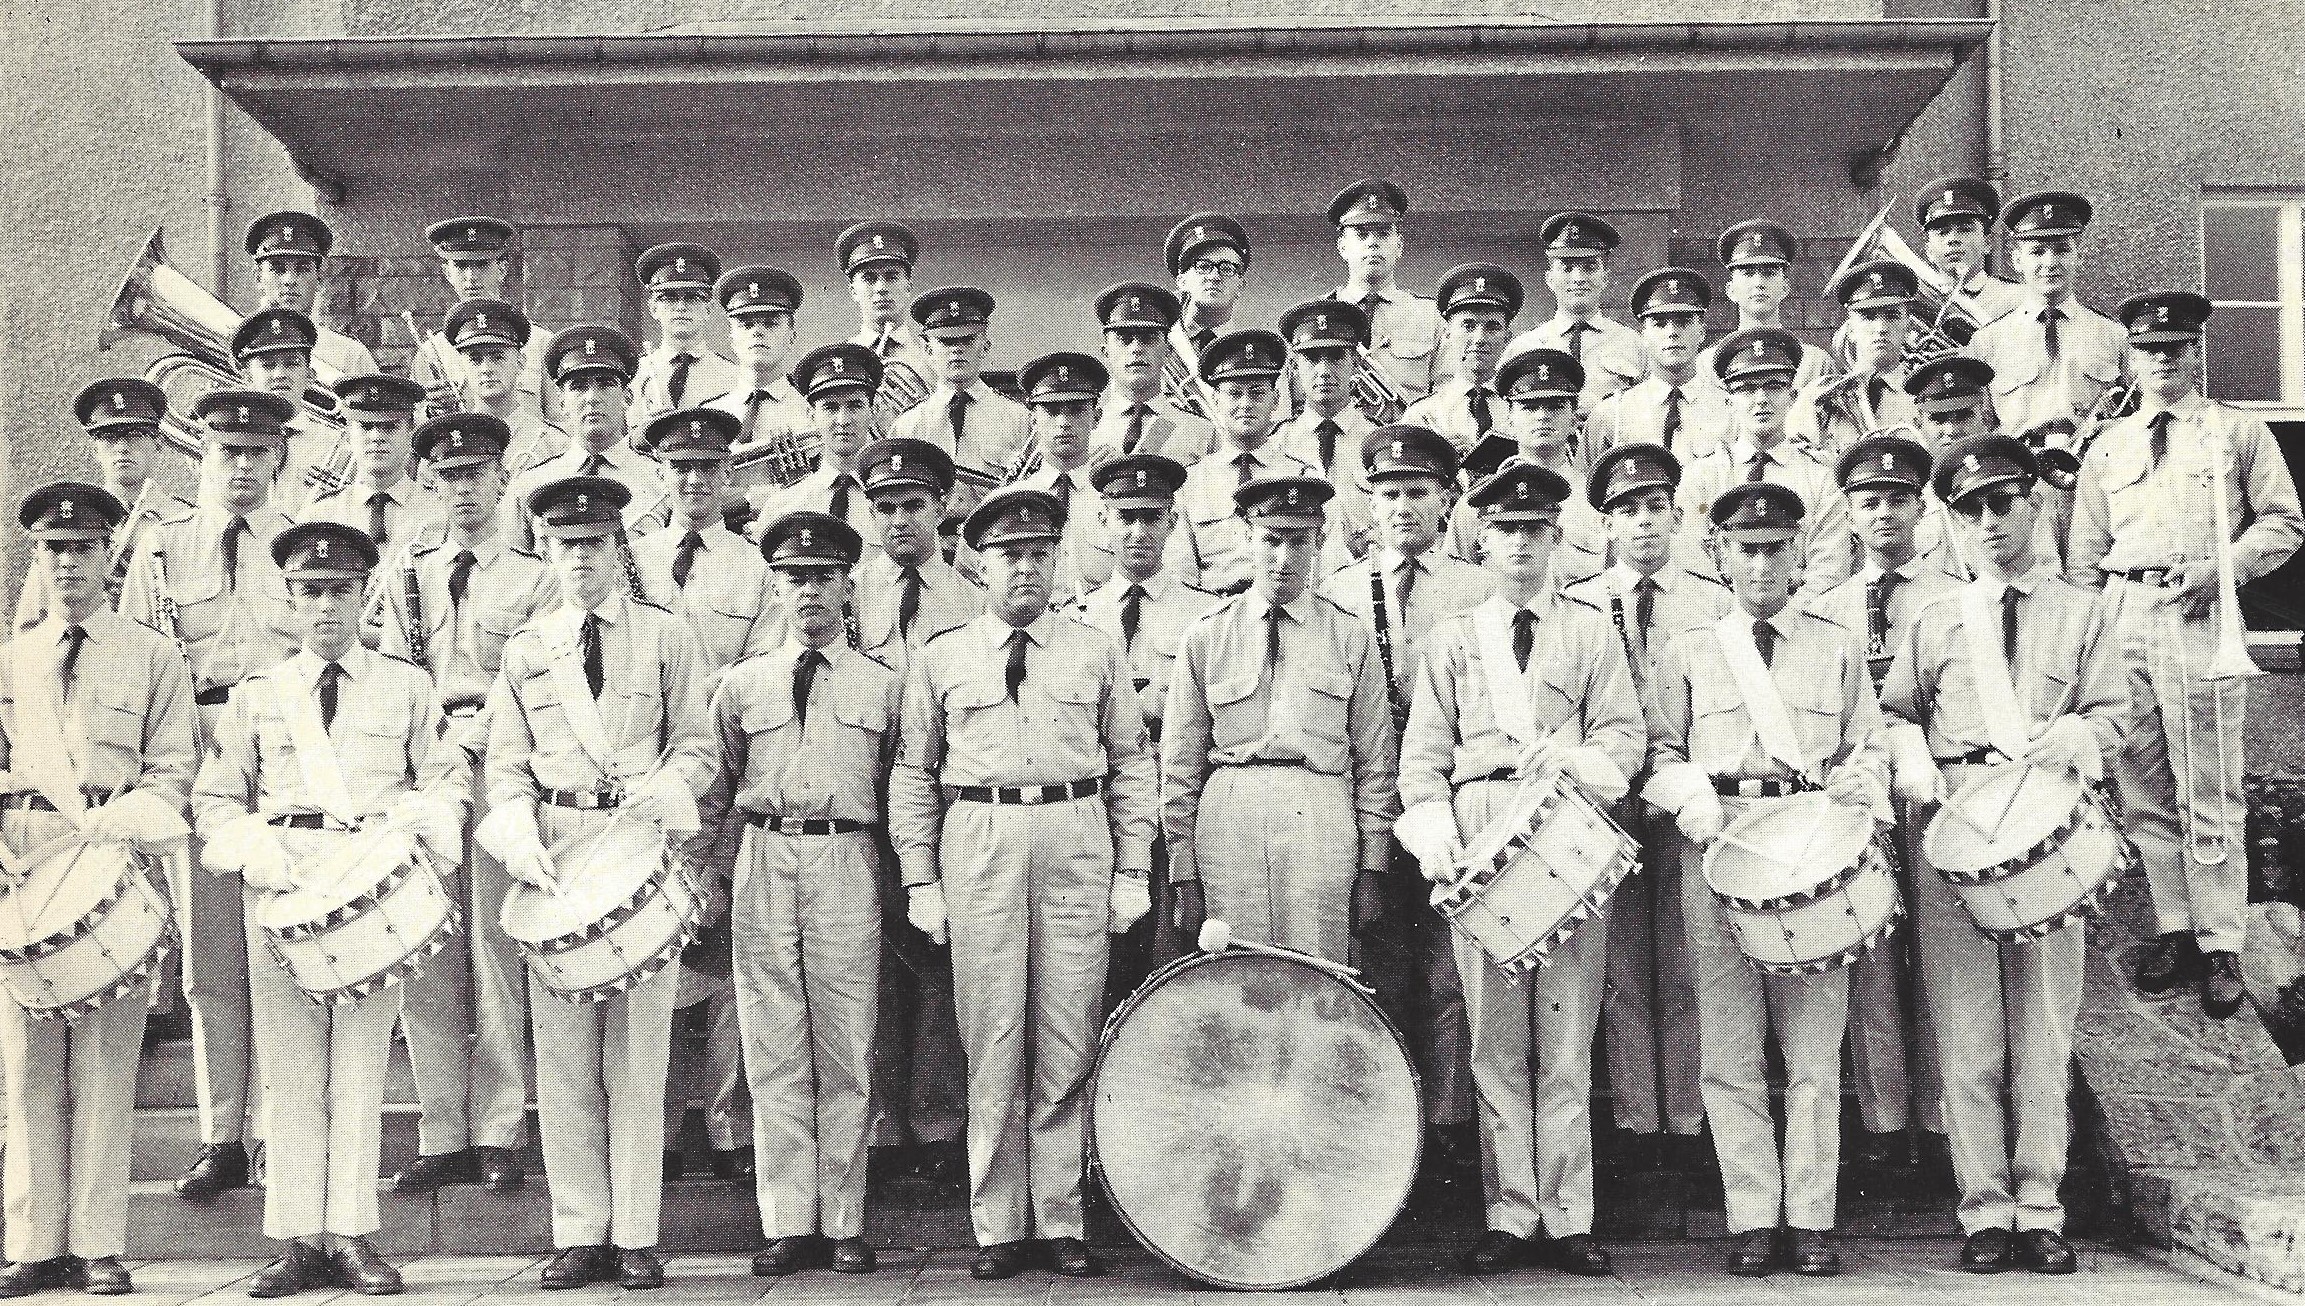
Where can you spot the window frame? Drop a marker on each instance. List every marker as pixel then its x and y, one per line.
pixel 2289 285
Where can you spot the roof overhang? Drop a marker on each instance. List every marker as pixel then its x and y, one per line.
pixel 380 106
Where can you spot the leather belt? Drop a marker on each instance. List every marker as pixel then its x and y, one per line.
pixel 2156 577
pixel 1500 774
pixel 809 825
pixel 462 707
pixel 1975 757
pixel 1280 762
pixel 1025 795
pixel 30 801
pixel 1733 788
pixel 214 696
pixel 303 821
pixel 584 800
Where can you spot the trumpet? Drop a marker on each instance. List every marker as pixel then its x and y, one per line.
pixel 784 460
pixel 1374 393
pixel 1027 461
pixel 2061 465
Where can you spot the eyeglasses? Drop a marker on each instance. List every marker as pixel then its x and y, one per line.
pixel 1999 503
pixel 1220 269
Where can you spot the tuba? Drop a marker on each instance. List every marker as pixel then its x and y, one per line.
pixel 1374 393
pixel 902 387
pixel 1181 388
pixel 1940 325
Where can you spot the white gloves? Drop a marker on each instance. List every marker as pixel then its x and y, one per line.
pixel 437 823
pixel 508 829
pixel 1917 778
pixel 1534 757
pixel 1131 902
pixel 665 801
pixel 1429 832
pixel 246 845
pixel 1700 818
pixel 532 866
pixel 138 817
pixel 2068 742
pixel 1595 773
pixel 924 907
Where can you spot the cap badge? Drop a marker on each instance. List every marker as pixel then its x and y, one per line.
pixel 1952 197
pixel 1135 305
pixel 243 412
pixel 1143 478
pixel 583 502
pixel 1969 464
pixel 1369 201
pixel 896 462
pixel 119 402
pixel 320 548
pixel 1398 445
pixel 1291 496
pixel 1544 372
pixel 2161 312
pixel 878 242
pixel 287 233
pixel 838 364
pixel 472 233
pixel 591 346
pixel 64 509
pixel 804 537
pixel 1521 490
pixel 1320 322
pixel 1064 376
pixel 696 430
pixel 1480 285
pixel 1888 462
pixel 456 439
pixel 480 321
pixel 680 265
pixel 1200 232
pixel 752 288
pixel 1760 349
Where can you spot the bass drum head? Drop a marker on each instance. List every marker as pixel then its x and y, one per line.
pixel 600 871
pixel 1255 1119
pixel 67 881
pixel 1786 847
pixel 352 867
pixel 1999 816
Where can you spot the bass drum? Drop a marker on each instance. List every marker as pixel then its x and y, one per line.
pixel 1254 1118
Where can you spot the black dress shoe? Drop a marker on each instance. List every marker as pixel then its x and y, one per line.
pixel 303 1265
pixel 852 1256
pixel 1809 1253
pixel 218 1166
pixel 1495 1252
pixel 782 1256
pixel 575 1267
pixel 102 1276
pixel 675 1165
pixel 637 1267
pixel 1754 1253
pixel 2221 986
pixel 426 1173
pixel 999 1261
pixel 500 1169
pixel 23 1278
pixel 2044 1251
pixel 1071 1258
pixel 2172 961
pixel 733 1165
pixel 1986 1252
pixel 1579 1254
pixel 359 1267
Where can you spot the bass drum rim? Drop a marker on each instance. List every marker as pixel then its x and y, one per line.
pixel 1095 1158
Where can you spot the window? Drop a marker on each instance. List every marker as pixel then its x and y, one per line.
pixel 2253 270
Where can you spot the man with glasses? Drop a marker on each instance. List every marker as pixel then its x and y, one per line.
pixel 1759 255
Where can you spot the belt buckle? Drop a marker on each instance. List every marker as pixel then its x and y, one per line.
pixel 609 795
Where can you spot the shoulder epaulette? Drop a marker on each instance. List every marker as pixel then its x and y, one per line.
pixel 530 554
pixel 1810 612
pixel 1705 576
pixel 874 659
pixel 1342 610
pixel 185 513
pixel 654 606
pixel 941 634
pixel 1188 585
pixel 395 657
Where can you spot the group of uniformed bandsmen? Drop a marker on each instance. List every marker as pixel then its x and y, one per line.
pixel 1212 643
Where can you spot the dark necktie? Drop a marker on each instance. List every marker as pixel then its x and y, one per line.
pixel 804 676
pixel 1017 639
pixel 376 527
pixel 233 530
pixel 752 403
pixel 1524 636
pixel 1877 612
pixel 1765 639
pixel 1478 403
pixel 678 385
pixel 840 487
pixel 1576 334
pixel 1644 606
pixel 1063 491
pixel 2051 347
pixel 1327 433
pixel 958 408
pixel 1273 641
pixel 1672 426
pixel 1759 467
pixel 907 602
pixel 684 558
pixel 2009 628
pixel 1876 390
pixel 1131 615
pixel 1407 586
pixel 460 577
pixel 1136 419
pixel 594 465
pixel 588 640
pixel 2159 444
pixel 330 676
pixel 1248 462
pixel 1369 303
pixel 74 636
pixel 1201 339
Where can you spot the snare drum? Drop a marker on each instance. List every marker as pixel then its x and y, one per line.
pixel 627 907
pixel 1542 869
pixel 2028 851
pixel 1254 1118
pixel 371 913
pixel 88 924
pixel 1805 883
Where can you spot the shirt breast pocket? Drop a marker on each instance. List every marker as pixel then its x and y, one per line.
pixel 1326 709
pixel 490 631
pixel 547 715
pixel 1816 712
pixel 380 742
pixel 968 704
pixel 1075 701
pixel 199 602
pixel 116 725
pixel 727 620
pixel 1406 337
pixel 1234 721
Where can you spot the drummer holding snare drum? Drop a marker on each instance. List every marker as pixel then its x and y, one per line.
pixel 308 751
pixel 2017 667
pixel 97 719
pixel 1767 702
pixel 1526 682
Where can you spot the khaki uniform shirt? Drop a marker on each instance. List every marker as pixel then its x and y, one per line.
pixel 727 603
pixel 1215 554
pixel 1167 429
pixel 506 589
pixel 1404 337
pixel 230 629
pixel 1697 716
pixel 1826 538
pixel 995 429
pixel 1168 607
pixel 2030 388
pixel 2130 513
pixel 651 505
pixel 709 377
pixel 1613 354
pixel 834 765
pixel 1637 414
pixel 126 721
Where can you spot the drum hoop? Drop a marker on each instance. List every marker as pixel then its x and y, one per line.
pixel 1801 897
pixel 691 923
pixel 1849 956
pixel 617 915
pixel 333 920
pixel 1459 896
pixel 137 977
pixel 138 866
pixel 409 967
pixel 2090 904
pixel 2067 827
pixel 1096 1076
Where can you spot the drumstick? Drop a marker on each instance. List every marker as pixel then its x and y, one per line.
pixel 1216 936
pixel 615 819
